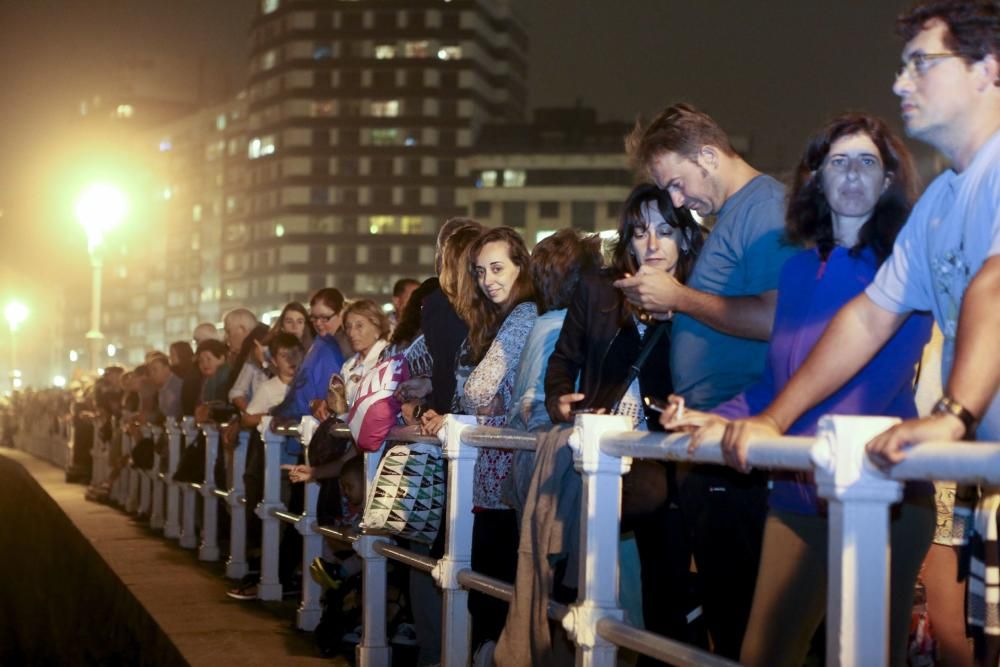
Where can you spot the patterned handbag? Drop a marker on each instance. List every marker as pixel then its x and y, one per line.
pixel 408 495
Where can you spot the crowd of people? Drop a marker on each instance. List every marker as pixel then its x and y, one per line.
pixel 792 303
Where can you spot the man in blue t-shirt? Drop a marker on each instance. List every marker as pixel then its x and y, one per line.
pixel 946 260
pixel 722 321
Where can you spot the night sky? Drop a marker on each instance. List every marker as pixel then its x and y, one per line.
pixel 771 71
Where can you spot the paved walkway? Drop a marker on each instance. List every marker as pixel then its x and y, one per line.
pixel 185 596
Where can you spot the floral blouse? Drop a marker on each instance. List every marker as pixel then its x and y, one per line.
pixel 485 391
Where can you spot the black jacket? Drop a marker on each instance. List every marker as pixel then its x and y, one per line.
pixel 444 332
pixel 598 343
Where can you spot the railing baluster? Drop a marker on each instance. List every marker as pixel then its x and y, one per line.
pixel 310 609
pixel 156 513
pixel 269 587
pixel 599 537
pixel 236 564
pixel 189 538
pixel 209 548
pixel 456 627
pixel 172 526
pixel 857 616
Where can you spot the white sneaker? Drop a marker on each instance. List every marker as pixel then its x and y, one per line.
pixel 406 635
pixel 484 655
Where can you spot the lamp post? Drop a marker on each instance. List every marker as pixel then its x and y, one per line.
pixel 99 209
pixel 15 312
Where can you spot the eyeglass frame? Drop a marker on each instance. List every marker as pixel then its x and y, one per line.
pixel 918 64
pixel 322 318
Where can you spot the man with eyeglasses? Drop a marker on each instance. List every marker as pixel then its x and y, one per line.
pixel 722 321
pixel 945 260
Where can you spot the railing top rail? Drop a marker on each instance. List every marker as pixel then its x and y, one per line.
pixel 786 453
pixel 965 462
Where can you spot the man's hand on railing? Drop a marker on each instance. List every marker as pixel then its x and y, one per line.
pixel 888 449
pixel 701 425
pixel 737 435
pixel 431 422
pixel 202 413
pixel 230 435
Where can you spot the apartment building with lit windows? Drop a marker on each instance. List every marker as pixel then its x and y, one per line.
pixel 359 115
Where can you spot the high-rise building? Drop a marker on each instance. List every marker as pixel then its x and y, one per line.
pixel 358 116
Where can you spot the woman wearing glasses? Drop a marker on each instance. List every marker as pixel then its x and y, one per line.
pixel 323 359
pixel 853 189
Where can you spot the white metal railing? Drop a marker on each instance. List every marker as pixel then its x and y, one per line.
pixel 859 498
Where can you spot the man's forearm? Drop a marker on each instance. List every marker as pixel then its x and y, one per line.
pixel 854 336
pixel 743 316
pixel 975 373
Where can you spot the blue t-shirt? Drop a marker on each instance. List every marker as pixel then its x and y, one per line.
pixel 952 231
pixel 742 256
pixel 527 409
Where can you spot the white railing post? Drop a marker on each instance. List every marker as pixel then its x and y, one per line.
pixel 599 537
pixel 374 649
pixel 172 526
pixel 209 548
pixel 145 481
pixel 128 472
pixel 97 476
pixel 269 587
pixel 857 616
pixel 156 513
pixel 236 564
pixel 456 625
pixel 189 537
pixel 310 609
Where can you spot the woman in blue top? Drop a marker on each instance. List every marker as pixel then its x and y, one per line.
pixel 323 359
pixel 853 190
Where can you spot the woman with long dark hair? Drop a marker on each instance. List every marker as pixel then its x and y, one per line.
pixel 600 341
pixel 852 192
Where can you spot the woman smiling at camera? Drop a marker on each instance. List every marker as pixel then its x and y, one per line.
pixel 853 190
pixel 497 302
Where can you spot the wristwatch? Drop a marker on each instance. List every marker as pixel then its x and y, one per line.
pixel 946 405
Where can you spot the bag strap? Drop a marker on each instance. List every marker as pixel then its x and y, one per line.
pixel 633 371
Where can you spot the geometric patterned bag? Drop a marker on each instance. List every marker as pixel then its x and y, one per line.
pixel 408 495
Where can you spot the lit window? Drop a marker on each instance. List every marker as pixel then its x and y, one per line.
pixel 260 146
pixel 124 111
pixel 220 121
pixel 385 108
pixel 385 51
pixel 385 136
pixel 168 192
pixel 382 224
pixel 488 179
pixel 414 224
pixel 417 49
pixel 269 59
pixel 323 52
pixel 450 52
pixel 268 6
pixel 279 230
pixel 513 178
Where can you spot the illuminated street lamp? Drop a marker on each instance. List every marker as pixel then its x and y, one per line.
pixel 15 313
pixel 99 209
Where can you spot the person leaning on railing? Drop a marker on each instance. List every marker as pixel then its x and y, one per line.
pixel 591 369
pixel 852 192
pixel 496 299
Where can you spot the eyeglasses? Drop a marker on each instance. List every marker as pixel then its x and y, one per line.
pixel 841 164
pixel 322 318
pixel 918 64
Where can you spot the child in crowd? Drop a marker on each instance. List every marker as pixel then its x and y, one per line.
pixel 286 356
